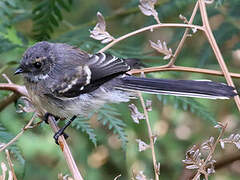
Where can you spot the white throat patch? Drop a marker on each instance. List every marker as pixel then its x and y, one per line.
pixel 36 78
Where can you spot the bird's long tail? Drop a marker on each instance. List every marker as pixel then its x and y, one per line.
pixel 189 88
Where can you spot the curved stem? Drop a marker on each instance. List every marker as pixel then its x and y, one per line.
pixel 151 28
pixel 181 68
pixel 151 138
pixel 14 88
pixel 66 151
pixel 216 50
pixel 180 46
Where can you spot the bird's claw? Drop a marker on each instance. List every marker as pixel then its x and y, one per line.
pixel 59 133
pixel 47 114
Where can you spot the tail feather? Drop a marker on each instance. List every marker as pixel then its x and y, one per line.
pixel 189 88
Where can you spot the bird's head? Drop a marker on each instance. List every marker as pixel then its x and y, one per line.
pixel 36 62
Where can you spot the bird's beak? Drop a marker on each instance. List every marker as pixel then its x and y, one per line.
pixel 19 70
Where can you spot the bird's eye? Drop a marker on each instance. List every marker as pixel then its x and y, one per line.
pixel 37 65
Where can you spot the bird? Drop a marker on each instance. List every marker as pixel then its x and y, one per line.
pixel 65 81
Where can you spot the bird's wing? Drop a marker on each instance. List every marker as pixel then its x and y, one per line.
pixel 88 75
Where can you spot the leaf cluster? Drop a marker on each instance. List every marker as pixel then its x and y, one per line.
pixel 47 15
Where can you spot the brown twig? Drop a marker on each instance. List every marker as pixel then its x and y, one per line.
pixel 151 138
pixel 20 133
pixel 6 77
pixel 66 151
pixel 14 88
pixel 181 68
pixel 220 163
pixel 216 50
pixel 12 97
pixel 203 166
pixel 180 45
pixel 151 28
pixel 10 164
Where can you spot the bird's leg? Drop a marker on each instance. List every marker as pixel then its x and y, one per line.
pixel 46 115
pixel 45 119
pixel 61 131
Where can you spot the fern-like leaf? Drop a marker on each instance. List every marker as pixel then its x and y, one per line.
pixel 107 116
pixel 47 15
pixel 82 124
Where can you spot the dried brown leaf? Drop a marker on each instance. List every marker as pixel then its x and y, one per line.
pixel 208 145
pixel 232 139
pixel 140 176
pixel 183 18
pixel 162 48
pixel 135 114
pixel 99 31
pixel 142 146
pixel 192 166
pixel 148 9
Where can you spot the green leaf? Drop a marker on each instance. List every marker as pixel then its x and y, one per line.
pixel 63 5
pixel 82 124
pixel 107 116
pixel 47 15
pixel 58 13
pixel 53 20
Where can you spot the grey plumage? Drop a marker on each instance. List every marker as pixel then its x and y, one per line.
pixel 65 81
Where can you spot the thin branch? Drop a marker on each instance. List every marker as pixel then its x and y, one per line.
pixel 151 28
pixel 217 52
pixel 203 166
pixel 151 138
pixel 8 80
pixel 180 45
pixel 15 88
pixel 119 13
pixel 66 151
pixel 220 163
pixel 181 68
pixel 10 164
pixel 28 126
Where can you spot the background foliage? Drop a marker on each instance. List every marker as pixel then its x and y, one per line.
pixel 179 122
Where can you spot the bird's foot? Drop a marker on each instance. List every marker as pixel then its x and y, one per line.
pixel 59 133
pixel 46 115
